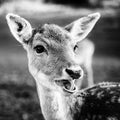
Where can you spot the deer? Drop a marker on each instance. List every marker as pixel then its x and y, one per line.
pixel 60 60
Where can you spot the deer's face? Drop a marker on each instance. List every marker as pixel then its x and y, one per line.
pixel 51 50
pixel 52 57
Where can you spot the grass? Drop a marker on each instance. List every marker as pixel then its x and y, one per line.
pixel 19 102
pixel 18 95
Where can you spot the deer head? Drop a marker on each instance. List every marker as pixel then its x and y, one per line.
pixel 52 50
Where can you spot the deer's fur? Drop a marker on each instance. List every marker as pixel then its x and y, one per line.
pixel 63 48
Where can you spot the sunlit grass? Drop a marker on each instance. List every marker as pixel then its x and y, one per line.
pixel 31 7
pixel 37 8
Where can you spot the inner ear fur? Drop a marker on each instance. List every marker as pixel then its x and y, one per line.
pixel 20 28
pixel 80 28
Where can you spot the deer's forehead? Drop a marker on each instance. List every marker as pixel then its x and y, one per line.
pixel 51 44
pixel 52 33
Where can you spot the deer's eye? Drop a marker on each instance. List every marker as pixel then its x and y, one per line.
pixel 39 49
pixel 75 47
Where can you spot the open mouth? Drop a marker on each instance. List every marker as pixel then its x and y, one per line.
pixel 68 85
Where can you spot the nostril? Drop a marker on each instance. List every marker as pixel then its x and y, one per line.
pixel 73 74
pixel 69 71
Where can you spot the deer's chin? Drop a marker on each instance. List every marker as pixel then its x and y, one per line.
pixel 67 85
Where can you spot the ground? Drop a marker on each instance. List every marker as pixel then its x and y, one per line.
pixel 18 95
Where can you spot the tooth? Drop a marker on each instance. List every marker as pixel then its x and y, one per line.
pixel 71 87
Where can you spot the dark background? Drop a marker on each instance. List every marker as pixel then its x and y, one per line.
pixel 18 95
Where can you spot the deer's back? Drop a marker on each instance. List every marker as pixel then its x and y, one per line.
pixel 101 102
pixel 85 49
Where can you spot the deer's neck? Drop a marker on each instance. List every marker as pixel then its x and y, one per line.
pixel 54 105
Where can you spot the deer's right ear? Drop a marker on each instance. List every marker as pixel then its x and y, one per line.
pixel 19 27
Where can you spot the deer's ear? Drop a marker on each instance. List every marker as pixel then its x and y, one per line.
pixel 19 27
pixel 80 28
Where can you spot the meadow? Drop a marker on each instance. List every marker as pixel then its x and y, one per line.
pixel 18 95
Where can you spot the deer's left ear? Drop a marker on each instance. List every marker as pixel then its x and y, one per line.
pixel 19 27
pixel 80 28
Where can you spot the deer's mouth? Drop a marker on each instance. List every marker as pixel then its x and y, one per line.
pixel 67 85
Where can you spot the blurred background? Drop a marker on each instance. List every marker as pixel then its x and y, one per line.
pixel 18 95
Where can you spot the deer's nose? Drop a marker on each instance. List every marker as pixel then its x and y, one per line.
pixel 74 74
